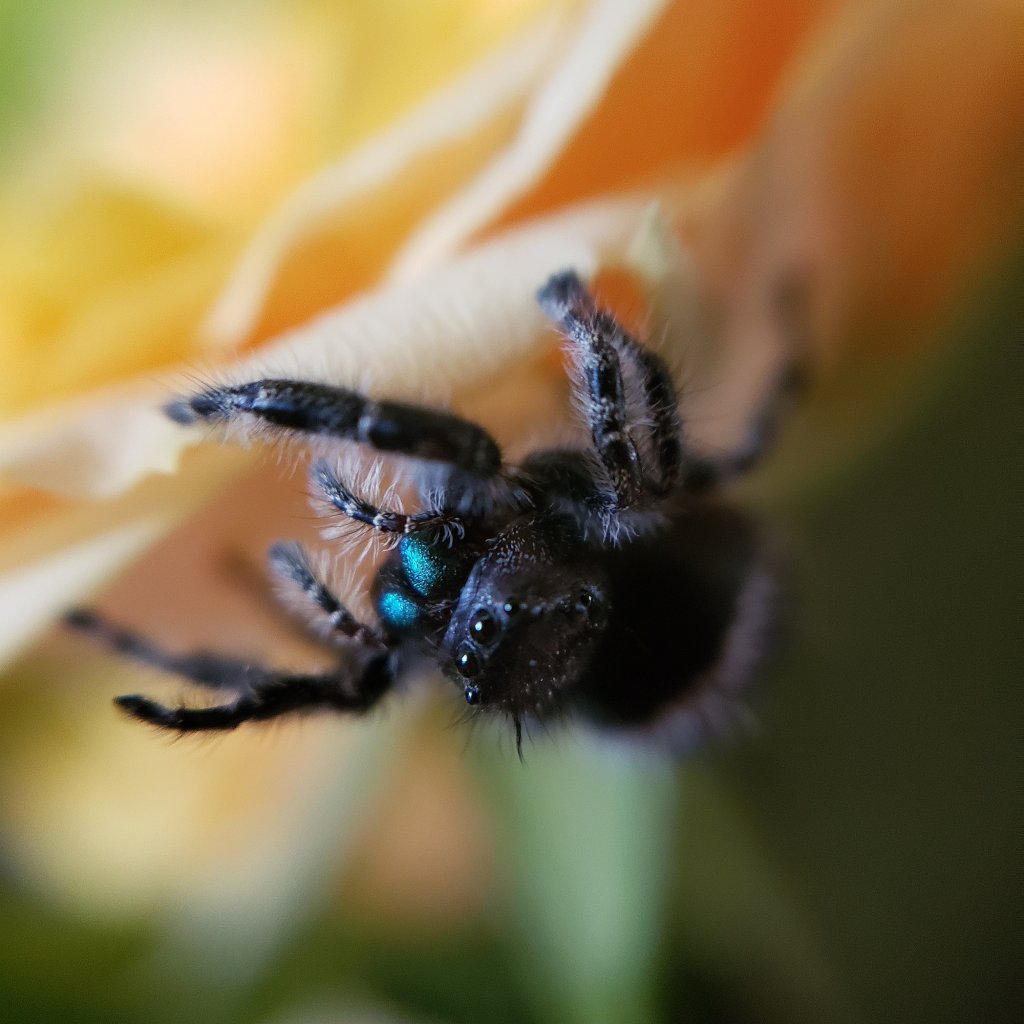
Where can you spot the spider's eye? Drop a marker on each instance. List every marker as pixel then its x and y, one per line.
pixel 511 607
pixel 472 694
pixel 484 627
pixel 585 608
pixel 468 661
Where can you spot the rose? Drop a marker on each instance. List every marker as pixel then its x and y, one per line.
pixel 816 147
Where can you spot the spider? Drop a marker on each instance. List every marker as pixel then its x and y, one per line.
pixel 606 581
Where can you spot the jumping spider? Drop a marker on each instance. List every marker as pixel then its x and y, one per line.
pixel 604 580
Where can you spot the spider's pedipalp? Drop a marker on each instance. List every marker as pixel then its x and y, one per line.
pixel 387 521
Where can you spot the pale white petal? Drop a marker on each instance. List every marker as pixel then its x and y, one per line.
pixel 607 35
pixel 97 447
pixel 34 595
pixel 461 324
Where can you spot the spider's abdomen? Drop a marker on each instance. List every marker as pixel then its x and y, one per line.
pixel 692 612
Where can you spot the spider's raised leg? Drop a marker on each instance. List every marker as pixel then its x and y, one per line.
pixel 598 367
pixel 321 409
pixel 273 696
pixel 604 352
pixel 628 395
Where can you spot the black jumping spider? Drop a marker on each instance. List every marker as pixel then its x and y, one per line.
pixel 604 581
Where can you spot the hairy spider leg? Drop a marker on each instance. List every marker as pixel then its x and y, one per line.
pixel 274 695
pixel 660 409
pixel 599 347
pixel 290 562
pixel 321 409
pixel 593 333
pixel 762 431
pixel 570 305
pixel 204 668
pixel 261 692
pixel 663 405
pixel 388 521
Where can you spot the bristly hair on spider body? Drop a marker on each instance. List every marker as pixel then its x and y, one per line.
pixel 607 582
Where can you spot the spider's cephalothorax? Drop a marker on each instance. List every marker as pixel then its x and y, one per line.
pixel 603 580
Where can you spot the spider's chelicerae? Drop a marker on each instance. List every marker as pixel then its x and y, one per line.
pixel 605 580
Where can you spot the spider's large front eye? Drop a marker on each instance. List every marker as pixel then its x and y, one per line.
pixel 484 628
pixel 468 661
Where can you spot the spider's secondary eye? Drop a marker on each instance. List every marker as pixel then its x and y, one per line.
pixel 585 599
pixel 472 694
pixel 511 607
pixel 468 661
pixel 484 627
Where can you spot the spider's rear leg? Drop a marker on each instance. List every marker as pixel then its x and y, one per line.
pixel 276 695
pixel 291 563
pixel 260 692
pixel 204 668
pixel 705 472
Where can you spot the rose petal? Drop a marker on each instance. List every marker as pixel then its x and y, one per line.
pixel 34 595
pixel 476 141
pixel 884 186
pixel 607 34
pixel 54 553
pixel 98 447
pixel 477 109
pixel 460 324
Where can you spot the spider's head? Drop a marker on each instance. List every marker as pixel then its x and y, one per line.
pixel 527 622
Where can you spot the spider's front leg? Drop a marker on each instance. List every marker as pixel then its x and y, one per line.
pixel 467 478
pixel 629 394
pixel 321 409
